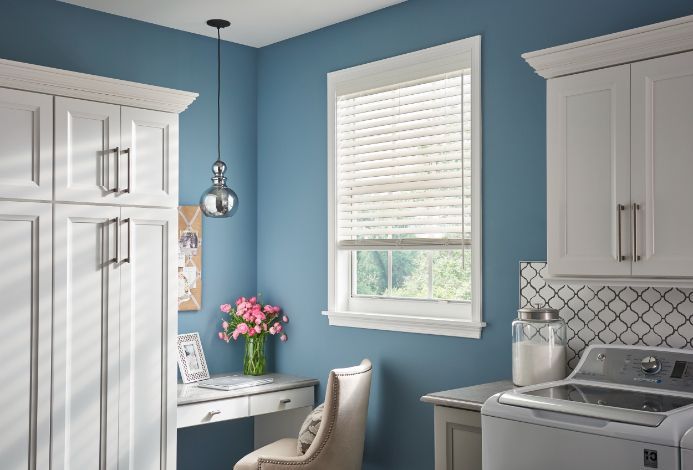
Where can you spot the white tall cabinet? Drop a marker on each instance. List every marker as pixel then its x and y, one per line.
pixel 88 225
pixel 620 155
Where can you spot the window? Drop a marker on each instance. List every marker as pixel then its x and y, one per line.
pixel 404 159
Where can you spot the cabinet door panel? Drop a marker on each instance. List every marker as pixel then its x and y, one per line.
pixel 85 358
pixel 25 339
pixel 588 170
pixel 86 137
pixel 151 170
pixel 148 333
pixel 26 150
pixel 662 124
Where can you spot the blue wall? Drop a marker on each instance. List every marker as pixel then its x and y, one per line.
pixel 54 34
pixel 292 262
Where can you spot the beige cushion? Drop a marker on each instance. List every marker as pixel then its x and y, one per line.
pixel 309 429
pixel 280 449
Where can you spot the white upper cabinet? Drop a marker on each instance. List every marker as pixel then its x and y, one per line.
pixel 620 155
pixel 662 166
pixel 149 170
pixel 588 173
pixel 26 145
pixel 25 339
pixel 110 154
pixel 87 151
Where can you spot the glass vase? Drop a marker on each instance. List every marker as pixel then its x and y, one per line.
pixel 255 362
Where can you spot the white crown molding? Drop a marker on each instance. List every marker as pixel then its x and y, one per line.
pixel 58 82
pixel 668 37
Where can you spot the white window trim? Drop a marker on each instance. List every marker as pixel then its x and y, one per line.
pixel 450 318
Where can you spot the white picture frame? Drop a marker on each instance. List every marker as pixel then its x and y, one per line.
pixel 191 358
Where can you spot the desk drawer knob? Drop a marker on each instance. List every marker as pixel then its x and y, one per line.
pixel 285 401
pixel 214 412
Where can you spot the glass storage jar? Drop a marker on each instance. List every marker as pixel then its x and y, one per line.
pixel 539 346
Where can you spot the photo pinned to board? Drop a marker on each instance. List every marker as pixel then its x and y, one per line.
pixel 189 258
pixel 191 358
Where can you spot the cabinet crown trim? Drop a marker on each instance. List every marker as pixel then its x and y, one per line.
pixel 668 37
pixel 40 79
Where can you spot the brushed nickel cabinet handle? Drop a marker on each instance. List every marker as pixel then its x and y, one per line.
pixel 117 172
pixel 117 240
pixel 129 187
pixel 636 256
pixel 129 239
pixel 285 401
pixel 214 412
pixel 619 210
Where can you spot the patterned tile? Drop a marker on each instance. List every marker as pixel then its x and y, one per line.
pixel 605 314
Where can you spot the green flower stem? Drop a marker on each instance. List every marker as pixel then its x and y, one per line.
pixel 255 362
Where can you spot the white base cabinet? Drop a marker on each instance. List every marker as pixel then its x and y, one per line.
pixel 88 227
pixel 457 438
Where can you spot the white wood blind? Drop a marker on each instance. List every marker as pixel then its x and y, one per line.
pixel 404 164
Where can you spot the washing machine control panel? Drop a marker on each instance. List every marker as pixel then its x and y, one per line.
pixel 651 368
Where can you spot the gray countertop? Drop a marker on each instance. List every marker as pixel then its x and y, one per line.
pixel 191 393
pixel 468 398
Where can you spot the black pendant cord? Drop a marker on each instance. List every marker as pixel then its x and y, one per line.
pixel 218 94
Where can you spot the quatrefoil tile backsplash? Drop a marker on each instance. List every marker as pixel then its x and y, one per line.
pixel 608 314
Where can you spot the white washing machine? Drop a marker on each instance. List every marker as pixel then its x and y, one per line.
pixel 623 408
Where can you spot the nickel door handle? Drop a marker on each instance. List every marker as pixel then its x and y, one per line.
pixel 619 211
pixel 129 239
pixel 285 401
pixel 116 259
pixel 636 256
pixel 129 187
pixel 117 172
pixel 214 412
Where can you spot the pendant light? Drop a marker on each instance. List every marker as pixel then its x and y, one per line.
pixel 219 200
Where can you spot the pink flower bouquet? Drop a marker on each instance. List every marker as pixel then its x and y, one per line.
pixel 253 320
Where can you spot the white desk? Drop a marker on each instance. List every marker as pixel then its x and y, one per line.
pixel 279 407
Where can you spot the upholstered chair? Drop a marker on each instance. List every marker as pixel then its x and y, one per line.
pixel 338 444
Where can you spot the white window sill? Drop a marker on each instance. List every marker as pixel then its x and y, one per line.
pixel 407 323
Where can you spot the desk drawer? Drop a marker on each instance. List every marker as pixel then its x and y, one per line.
pixel 280 401
pixel 212 411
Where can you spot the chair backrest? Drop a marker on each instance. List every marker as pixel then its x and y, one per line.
pixel 339 442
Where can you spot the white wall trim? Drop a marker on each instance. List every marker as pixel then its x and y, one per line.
pixel 469 322
pixel 51 81
pixel 407 324
pixel 668 37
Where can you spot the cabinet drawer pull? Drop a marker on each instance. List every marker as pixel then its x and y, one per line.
pixel 129 239
pixel 636 256
pixel 619 211
pixel 116 240
pixel 214 412
pixel 285 401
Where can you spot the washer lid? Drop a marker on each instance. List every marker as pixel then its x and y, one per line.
pixel 623 406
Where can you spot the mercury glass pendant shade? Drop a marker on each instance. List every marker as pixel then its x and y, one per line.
pixel 219 200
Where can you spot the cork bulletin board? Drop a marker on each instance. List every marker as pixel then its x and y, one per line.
pixel 189 258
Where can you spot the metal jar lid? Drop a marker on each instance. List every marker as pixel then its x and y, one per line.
pixel 538 313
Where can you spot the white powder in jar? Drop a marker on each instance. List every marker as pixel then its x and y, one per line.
pixel 535 363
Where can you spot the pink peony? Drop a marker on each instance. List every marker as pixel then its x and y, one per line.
pixel 283 338
pixel 252 300
pixel 225 325
pixel 276 309
pixel 272 330
pixel 251 333
pixel 285 319
pixel 235 335
pixel 258 329
pixel 240 300
pixel 264 326
pixel 268 309
pixel 226 308
pixel 221 335
pixel 278 327
pixel 242 328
